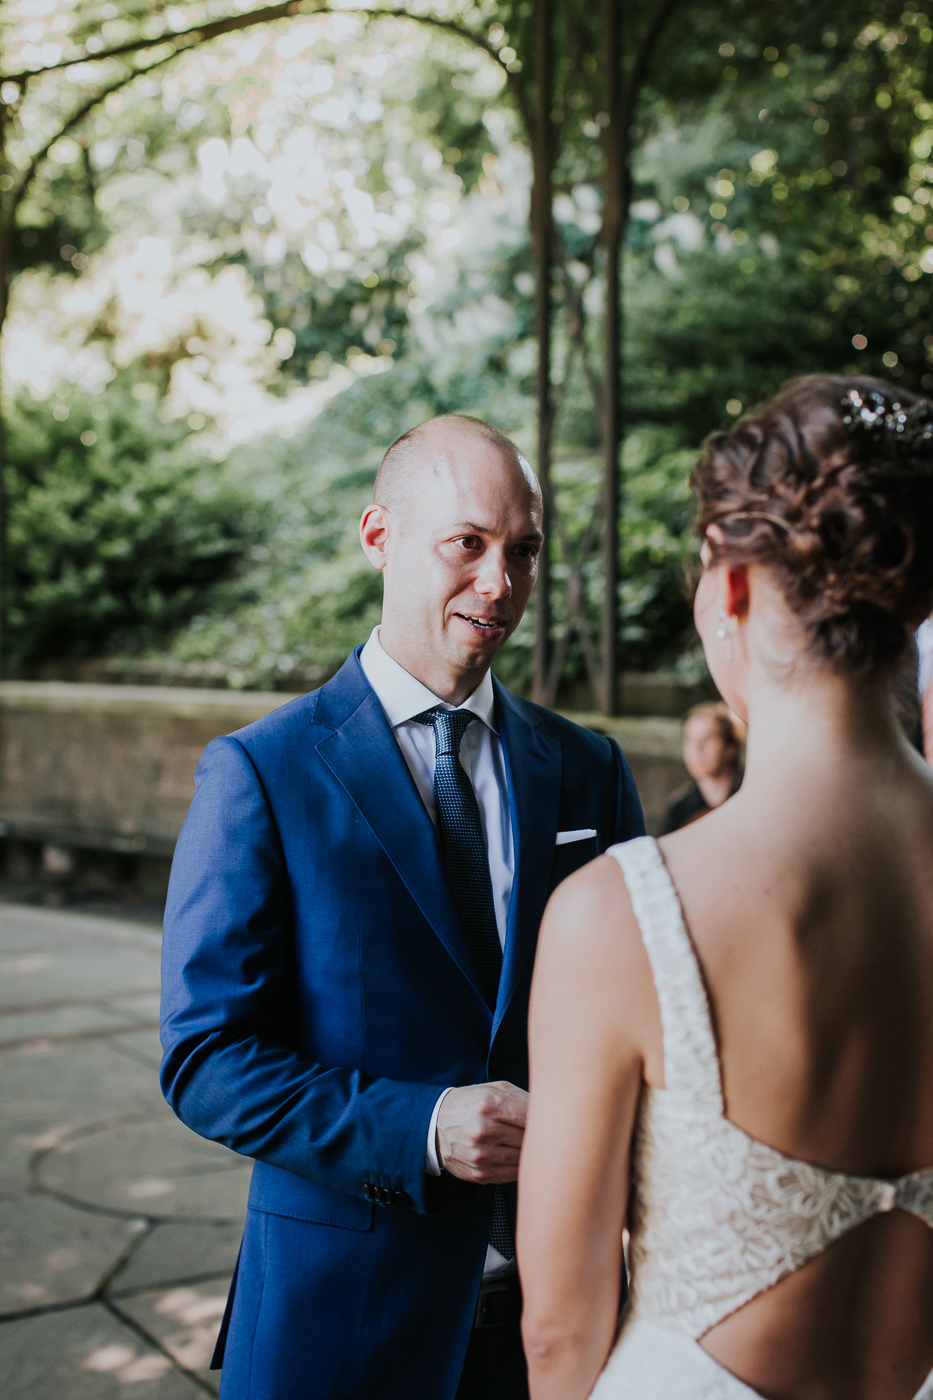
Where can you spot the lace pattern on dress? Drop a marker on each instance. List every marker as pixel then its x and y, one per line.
pixel 691 1061
pixel 718 1217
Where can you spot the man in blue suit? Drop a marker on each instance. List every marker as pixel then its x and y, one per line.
pixel 349 941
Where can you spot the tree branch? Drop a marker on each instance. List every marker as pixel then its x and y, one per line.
pixel 643 55
pixel 472 37
pixel 201 34
pixel 183 39
pixel 73 121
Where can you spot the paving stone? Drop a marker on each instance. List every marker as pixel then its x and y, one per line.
pixel 157 1168
pixel 62 1021
pixel 24 921
pixel 19 942
pixel 48 1090
pixel 85 1354
pixel 77 1082
pixel 16 1153
pixel 87 1117
pixel 50 1086
pixel 68 972
pixel 144 1046
pixel 144 1008
pixel 50 956
pixel 185 1320
pixel 53 1253
pixel 180 1252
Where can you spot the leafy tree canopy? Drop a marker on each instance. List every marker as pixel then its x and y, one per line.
pixel 307 236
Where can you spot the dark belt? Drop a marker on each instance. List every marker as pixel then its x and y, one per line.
pixel 499 1302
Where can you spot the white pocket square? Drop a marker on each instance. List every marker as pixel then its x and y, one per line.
pixel 585 833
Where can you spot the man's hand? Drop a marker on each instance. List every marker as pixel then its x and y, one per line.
pixel 480 1130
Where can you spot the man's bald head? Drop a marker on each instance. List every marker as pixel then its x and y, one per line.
pixel 436 441
pixel 456 529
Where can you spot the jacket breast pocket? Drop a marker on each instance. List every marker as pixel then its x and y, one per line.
pixel 571 856
pixel 279 1192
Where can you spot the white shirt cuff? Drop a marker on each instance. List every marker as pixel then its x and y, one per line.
pixel 431 1165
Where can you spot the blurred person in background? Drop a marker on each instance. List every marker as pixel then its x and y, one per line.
pixel 712 750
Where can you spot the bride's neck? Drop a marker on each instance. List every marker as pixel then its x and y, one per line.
pixel 816 723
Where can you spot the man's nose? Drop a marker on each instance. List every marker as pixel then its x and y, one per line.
pixel 492 578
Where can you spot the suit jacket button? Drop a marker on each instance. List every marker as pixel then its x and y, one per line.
pixel 403 1199
pixel 382 1195
pixel 368 1190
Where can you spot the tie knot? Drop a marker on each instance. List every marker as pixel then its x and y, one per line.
pixel 449 728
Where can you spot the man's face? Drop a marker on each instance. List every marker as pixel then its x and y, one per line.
pixel 706 751
pixel 460 559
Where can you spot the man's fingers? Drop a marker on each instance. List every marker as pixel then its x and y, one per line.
pixel 486 1172
pixel 512 1090
pixel 491 1177
pixel 513 1111
pixel 496 1135
pixel 480 1129
pixel 506 1104
pixel 510 1136
pixel 487 1149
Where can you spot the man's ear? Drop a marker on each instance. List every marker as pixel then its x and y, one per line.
pixel 737 591
pixel 375 529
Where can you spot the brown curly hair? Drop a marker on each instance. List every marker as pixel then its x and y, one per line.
pixel 845 515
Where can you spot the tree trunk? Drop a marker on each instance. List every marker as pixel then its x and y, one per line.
pixel 7 230
pixel 613 227
pixel 542 244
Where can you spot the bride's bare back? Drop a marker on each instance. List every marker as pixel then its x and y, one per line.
pixel 809 901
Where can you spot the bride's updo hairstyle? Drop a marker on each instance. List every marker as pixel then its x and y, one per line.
pixel 830 483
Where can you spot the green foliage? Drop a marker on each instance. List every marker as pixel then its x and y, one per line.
pixel 808 204
pixel 117 533
pixel 781 224
pixel 450 111
pixel 657 546
pixel 315 596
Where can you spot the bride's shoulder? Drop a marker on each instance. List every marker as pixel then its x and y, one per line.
pixel 590 951
pixel 594 900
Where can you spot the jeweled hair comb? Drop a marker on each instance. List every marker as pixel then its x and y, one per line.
pixel 891 425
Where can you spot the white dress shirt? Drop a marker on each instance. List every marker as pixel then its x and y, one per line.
pixel 402 697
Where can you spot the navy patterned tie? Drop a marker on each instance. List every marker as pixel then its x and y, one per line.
pixel 466 865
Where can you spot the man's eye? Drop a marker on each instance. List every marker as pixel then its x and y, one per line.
pixel 526 551
pixel 469 541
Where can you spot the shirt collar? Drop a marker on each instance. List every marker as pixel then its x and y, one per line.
pixel 402 697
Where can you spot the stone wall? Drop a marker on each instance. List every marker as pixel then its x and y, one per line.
pixel 110 768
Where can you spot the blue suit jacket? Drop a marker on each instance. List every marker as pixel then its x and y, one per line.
pixel 319 991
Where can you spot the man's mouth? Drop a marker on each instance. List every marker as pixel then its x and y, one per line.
pixel 483 626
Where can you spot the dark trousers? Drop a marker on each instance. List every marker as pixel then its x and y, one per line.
pixel 495 1365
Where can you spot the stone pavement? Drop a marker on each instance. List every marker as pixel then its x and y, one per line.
pixel 118 1227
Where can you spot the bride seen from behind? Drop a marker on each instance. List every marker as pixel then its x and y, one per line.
pixel 771 1148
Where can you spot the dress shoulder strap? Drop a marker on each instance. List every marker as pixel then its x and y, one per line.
pixel 691 1060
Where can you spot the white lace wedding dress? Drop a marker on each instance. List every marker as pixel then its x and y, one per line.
pixel 717 1216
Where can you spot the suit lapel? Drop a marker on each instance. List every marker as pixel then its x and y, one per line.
pixel 533 767
pixel 364 756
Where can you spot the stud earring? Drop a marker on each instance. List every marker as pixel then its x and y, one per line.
pixel 726 629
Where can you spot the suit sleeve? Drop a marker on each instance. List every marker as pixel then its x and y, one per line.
pixel 227 979
pixel 630 819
